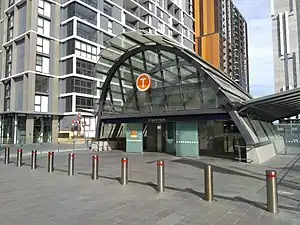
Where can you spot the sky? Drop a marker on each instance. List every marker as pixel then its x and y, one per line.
pixel 261 74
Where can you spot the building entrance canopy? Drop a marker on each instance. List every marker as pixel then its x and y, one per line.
pixel 274 107
pixel 182 84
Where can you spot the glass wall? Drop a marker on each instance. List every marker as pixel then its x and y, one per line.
pixel 176 85
pixel 219 137
pixel 263 130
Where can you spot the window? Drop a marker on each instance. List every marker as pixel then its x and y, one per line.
pixel 44 8
pixel 7 96
pixel 68 101
pixel 107 8
pixel 43 26
pixel 6 104
pixel 160 26
pixel 106 38
pixel 85 50
pixel 41 103
pixel 43 45
pixel 110 26
pixel 86 32
pixel 79 85
pixel 159 13
pixel 10 26
pixel 84 103
pixel 84 67
pixel 9 54
pixel 7 90
pixel 8 61
pixel 10 21
pixel 41 84
pixel 42 64
pixel 11 2
pixel 8 69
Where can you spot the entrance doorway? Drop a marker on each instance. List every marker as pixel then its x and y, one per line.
pixel 155 137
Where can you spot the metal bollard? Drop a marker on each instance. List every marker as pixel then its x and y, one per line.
pixel 160 176
pixel 124 171
pixel 208 182
pixel 71 164
pixel 33 159
pixel 6 156
pixel 19 157
pixel 95 167
pixel 50 162
pixel 272 194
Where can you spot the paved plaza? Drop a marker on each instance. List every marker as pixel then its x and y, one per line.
pixel 39 198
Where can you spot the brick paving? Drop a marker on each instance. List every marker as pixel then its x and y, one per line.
pixel 38 198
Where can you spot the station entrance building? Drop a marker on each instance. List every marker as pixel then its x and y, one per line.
pixel 164 98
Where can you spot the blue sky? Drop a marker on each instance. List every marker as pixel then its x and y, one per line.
pixel 257 15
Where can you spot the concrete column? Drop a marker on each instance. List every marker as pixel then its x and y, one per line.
pixel 55 129
pixel 29 98
pixel 29 128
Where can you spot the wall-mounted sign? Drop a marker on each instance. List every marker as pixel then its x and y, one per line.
pixel 157 120
pixel 144 82
pixel 133 133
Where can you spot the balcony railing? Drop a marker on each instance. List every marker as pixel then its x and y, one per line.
pixel 90 2
pixel 86 35
pixel 82 16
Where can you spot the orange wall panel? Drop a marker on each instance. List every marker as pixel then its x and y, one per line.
pixel 209 16
pixel 210 51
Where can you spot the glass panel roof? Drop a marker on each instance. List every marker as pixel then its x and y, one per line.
pixel 176 81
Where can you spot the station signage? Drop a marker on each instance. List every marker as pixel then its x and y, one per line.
pixel 157 120
pixel 144 82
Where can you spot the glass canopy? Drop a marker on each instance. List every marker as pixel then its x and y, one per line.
pixel 180 79
pixel 181 82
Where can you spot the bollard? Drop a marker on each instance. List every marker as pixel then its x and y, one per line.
pixel 124 171
pixel 160 176
pixel 33 159
pixel 71 164
pixel 19 157
pixel 6 155
pixel 272 195
pixel 50 162
pixel 208 182
pixel 95 167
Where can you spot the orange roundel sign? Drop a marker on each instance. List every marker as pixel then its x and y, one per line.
pixel 143 82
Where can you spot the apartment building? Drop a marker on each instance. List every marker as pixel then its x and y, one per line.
pixel 221 38
pixel 285 24
pixel 48 52
pixel 286 40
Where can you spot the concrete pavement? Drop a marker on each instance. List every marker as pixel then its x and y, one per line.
pixel 36 197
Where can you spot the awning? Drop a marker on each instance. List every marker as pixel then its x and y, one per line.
pixel 274 107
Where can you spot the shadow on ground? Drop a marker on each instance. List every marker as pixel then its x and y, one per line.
pixel 199 165
pixel 218 169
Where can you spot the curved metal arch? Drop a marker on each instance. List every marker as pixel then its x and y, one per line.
pixel 133 52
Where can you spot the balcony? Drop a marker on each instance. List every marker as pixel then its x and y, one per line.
pixel 82 12
pixel 86 32
pixel 90 3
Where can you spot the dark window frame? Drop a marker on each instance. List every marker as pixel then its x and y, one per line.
pixel 80 85
pixel 84 67
pixel 41 84
pixel 84 103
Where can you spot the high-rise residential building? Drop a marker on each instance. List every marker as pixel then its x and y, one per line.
pixel 48 52
pixel 285 27
pixel 221 38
